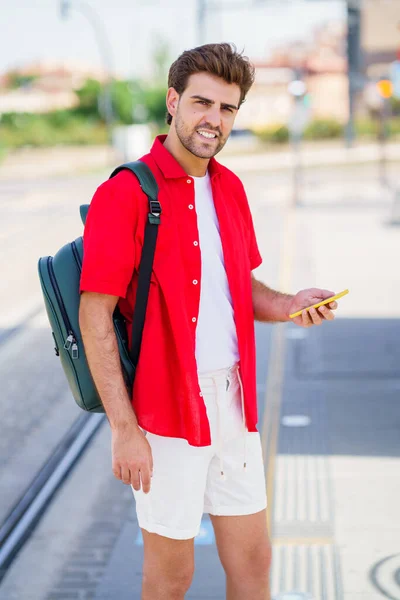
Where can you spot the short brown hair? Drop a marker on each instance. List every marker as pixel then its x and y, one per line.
pixel 221 60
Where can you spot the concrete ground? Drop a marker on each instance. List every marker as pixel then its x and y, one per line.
pixel 329 405
pixel 328 401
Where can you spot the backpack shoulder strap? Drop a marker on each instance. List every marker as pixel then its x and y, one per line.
pixel 147 183
pixel 144 175
pixel 150 188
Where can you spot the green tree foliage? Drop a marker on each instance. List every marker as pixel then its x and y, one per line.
pixel 88 96
pixel 51 129
pixel 395 106
pixel 15 80
pixel 323 129
pixel 122 100
pixel 154 100
pixel 133 101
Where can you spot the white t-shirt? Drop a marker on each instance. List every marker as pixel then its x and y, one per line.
pixel 216 339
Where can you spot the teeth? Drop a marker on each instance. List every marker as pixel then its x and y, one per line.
pixel 207 135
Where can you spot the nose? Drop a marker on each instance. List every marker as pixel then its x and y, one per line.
pixel 213 117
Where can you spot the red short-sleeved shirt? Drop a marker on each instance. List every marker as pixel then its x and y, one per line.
pixel 166 394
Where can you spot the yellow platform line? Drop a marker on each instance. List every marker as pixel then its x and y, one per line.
pixel 274 385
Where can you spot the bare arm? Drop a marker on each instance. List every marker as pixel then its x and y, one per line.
pixel 273 306
pixel 130 449
pixel 269 305
pixel 101 348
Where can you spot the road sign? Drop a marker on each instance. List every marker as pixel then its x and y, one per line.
pixel 395 77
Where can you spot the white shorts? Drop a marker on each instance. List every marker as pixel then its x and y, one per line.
pixel 226 478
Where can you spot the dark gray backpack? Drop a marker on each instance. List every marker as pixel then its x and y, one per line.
pixel 60 278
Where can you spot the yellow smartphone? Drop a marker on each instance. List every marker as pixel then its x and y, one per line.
pixel 327 301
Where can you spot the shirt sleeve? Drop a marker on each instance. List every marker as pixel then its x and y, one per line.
pixel 254 253
pixel 109 238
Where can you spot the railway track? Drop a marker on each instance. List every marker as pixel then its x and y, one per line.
pixel 20 522
pixel 27 510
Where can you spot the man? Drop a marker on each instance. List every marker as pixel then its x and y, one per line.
pixel 187 441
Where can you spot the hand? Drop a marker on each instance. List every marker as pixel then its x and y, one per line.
pixel 132 460
pixel 314 316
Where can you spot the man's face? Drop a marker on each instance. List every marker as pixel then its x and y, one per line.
pixel 204 114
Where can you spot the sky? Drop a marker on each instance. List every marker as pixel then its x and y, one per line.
pixel 31 30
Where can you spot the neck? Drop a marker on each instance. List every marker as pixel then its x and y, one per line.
pixel 192 165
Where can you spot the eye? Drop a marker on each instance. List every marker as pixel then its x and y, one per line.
pixel 203 102
pixel 228 109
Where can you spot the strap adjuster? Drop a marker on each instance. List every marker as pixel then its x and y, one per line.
pixel 155 208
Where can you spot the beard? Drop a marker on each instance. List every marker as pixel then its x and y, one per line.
pixel 192 141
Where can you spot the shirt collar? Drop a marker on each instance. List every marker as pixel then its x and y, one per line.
pixel 170 167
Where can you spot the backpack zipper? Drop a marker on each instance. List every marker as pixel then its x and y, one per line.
pixel 70 342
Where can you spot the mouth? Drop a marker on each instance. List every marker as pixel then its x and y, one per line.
pixel 207 135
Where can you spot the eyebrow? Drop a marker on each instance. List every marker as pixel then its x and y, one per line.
pixel 223 104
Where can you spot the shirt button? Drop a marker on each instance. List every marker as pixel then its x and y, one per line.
pixel 188 181
pixel 195 243
pixel 190 206
pixel 201 394
pixel 195 282
pixel 194 319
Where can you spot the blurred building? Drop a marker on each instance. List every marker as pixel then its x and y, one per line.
pixel 44 86
pixel 321 63
pixel 380 36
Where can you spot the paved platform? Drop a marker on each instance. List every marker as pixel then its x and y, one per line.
pixel 329 409
pixel 328 399
pixel 336 481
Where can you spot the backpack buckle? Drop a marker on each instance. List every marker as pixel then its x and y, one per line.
pixel 155 208
pixel 155 212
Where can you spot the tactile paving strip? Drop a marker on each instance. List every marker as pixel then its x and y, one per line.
pixel 306 571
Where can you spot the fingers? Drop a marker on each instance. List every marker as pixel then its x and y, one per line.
pixel 311 317
pixel 146 480
pixel 306 319
pixel 315 316
pixel 132 460
pixel 135 480
pixel 326 313
pixel 125 475
pixel 117 471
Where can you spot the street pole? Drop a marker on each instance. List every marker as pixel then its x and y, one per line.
pixel 105 52
pixel 298 121
pixel 383 126
pixel 353 62
pixel 201 21
pixel 297 170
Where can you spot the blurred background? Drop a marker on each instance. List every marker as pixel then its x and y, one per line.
pixel 317 145
pixel 72 71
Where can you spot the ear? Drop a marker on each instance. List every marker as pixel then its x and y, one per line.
pixel 172 101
